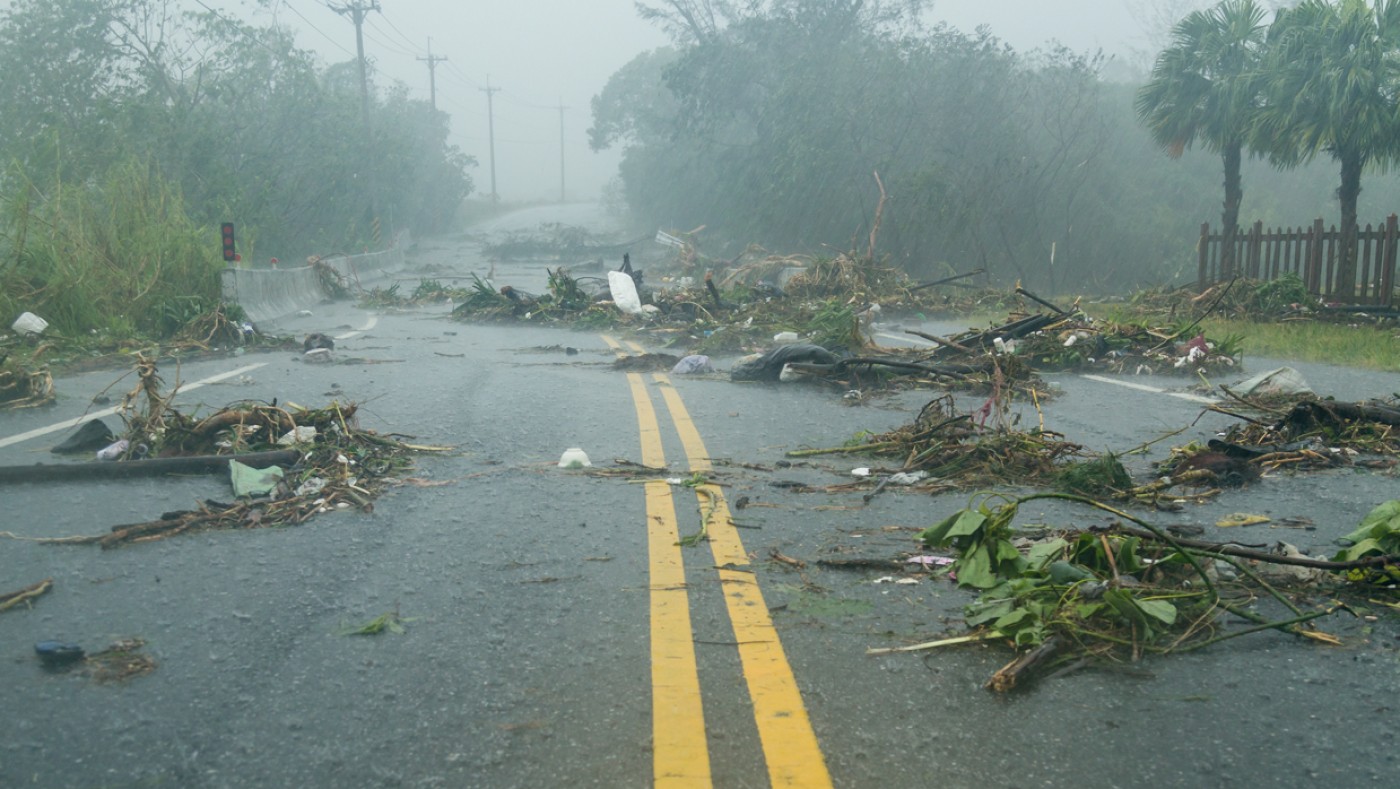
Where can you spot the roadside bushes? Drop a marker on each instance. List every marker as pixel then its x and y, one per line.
pixel 110 254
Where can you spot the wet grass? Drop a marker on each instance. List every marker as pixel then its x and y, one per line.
pixel 1364 346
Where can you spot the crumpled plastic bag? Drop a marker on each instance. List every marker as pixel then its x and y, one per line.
pixel 624 292
pixel 693 364
pixel 249 481
pixel 769 366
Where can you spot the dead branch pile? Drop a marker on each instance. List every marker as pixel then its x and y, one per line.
pixel 1312 434
pixel 954 448
pixel 341 465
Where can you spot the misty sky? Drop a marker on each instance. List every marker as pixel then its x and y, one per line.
pixel 545 52
pixel 542 52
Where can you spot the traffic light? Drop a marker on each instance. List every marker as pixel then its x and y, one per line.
pixel 230 254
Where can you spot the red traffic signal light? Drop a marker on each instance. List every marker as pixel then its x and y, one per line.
pixel 229 253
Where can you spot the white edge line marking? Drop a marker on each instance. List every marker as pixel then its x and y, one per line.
pixel 1145 388
pixel 369 324
pixel 909 339
pixel 64 425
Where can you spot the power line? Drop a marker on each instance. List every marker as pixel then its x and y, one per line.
pixel 309 24
pixel 395 27
pixel 389 45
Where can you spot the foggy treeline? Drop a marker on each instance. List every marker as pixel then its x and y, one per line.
pixel 131 129
pixel 235 119
pixel 765 123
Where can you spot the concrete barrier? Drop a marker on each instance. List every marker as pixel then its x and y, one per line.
pixel 267 294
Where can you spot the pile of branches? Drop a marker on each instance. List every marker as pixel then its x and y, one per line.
pixel 21 388
pixel 1115 594
pixel 1068 339
pixel 338 464
pixel 959 449
pixel 1312 434
pixel 1239 299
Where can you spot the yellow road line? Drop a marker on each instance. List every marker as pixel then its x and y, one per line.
pixel 790 746
pixel 680 749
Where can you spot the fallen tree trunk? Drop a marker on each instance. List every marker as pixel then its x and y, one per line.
pixel 199 464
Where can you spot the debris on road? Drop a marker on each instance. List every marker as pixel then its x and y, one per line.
pixel 90 436
pixel 355 464
pixel 58 654
pixel 25 596
pixel 20 388
pixel 1074 597
pixel 389 621
pixel 574 458
pixel 952 448
pixel 121 661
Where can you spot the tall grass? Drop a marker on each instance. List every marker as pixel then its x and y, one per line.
pixel 117 253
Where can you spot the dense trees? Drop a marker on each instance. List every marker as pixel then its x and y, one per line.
pixel 243 124
pixel 766 120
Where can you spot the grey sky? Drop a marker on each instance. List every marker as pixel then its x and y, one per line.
pixel 544 52
pixel 540 52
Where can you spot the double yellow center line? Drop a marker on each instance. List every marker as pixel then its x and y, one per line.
pixel 681 750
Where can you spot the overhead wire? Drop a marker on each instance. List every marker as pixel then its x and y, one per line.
pixel 311 25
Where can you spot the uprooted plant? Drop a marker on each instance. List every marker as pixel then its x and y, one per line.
pixel 1127 591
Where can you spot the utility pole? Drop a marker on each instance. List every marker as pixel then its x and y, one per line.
pixel 432 61
pixel 491 133
pixel 561 149
pixel 357 10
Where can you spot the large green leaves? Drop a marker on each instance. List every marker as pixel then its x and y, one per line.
pixel 1378 535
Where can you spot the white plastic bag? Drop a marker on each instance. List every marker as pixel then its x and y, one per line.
pixel 624 293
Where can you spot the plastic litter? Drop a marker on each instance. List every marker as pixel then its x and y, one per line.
pixel 91 436
pixel 785 338
pixel 624 293
pixel 302 434
pixel 907 477
pixel 693 364
pixel 54 654
pixel 574 457
pixel 863 471
pixel 1278 381
pixel 930 561
pixel 317 356
pixel 114 450
pixel 249 481
pixel 29 323
pixel 769 366
pixel 311 486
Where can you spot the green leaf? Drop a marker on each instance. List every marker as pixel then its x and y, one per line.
pixel 1042 553
pixel 960 524
pixel 1161 610
pixel 974 568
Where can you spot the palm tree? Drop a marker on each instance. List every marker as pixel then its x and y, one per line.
pixel 1333 72
pixel 1205 85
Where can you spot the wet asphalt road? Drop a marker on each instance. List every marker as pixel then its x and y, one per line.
pixel 525 662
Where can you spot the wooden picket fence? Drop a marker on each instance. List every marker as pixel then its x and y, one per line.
pixel 1309 252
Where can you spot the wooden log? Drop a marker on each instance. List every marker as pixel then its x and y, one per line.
pixel 1018 670
pixel 199 464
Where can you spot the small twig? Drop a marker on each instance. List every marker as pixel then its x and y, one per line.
pixel 28 593
pixel 934 338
